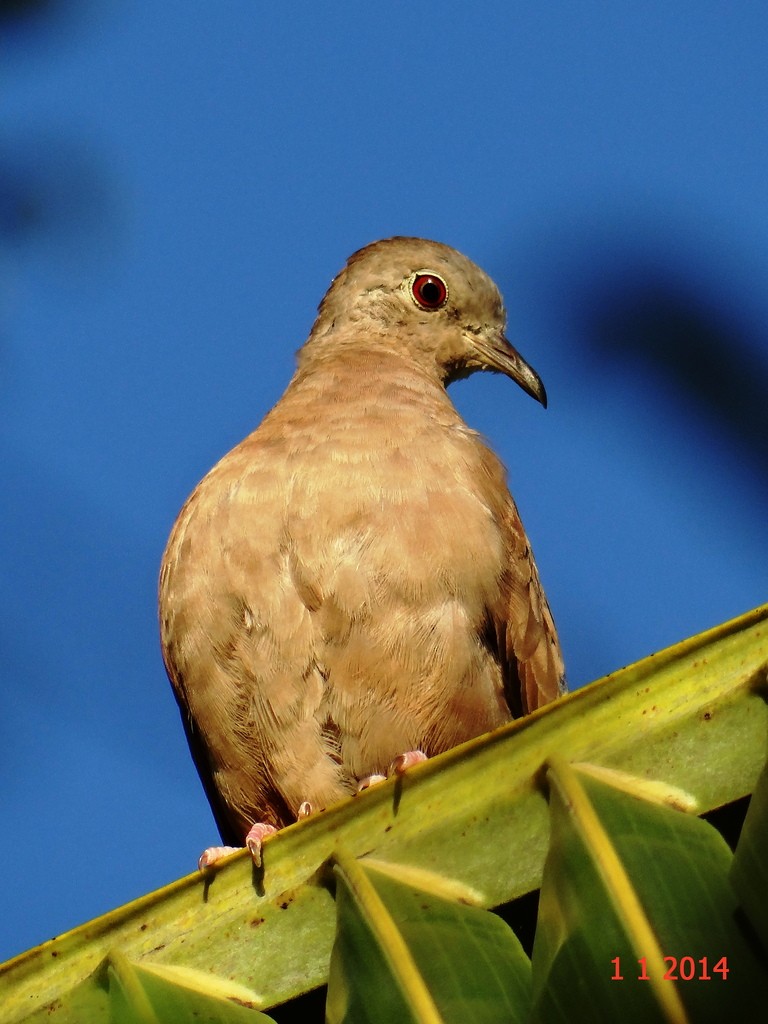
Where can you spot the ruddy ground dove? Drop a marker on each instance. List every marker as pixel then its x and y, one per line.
pixel 352 581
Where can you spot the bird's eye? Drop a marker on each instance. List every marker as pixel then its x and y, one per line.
pixel 429 291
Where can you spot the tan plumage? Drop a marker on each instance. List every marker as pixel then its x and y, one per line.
pixel 353 581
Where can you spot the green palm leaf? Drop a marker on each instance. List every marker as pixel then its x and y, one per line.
pixel 692 717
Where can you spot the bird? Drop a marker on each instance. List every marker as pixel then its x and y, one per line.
pixel 351 587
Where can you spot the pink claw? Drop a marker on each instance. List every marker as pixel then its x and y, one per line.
pixel 370 780
pixel 258 833
pixel 400 764
pixel 407 760
pixel 255 837
pixel 213 854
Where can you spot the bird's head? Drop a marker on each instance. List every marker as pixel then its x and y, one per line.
pixel 429 302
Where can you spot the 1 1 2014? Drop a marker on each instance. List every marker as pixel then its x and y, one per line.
pixel 684 968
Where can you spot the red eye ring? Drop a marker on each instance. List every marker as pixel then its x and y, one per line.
pixel 429 291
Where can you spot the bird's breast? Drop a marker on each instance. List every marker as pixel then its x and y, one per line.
pixel 393 508
pixel 362 548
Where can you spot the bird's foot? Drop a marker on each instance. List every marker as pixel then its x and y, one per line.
pixel 398 767
pixel 258 833
pixel 404 761
pixel 256 836
pixel 370 780
pixel 213 854
pixel 260 830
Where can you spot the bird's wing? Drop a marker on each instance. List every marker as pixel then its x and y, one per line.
pixel 524 629
pixel 230 829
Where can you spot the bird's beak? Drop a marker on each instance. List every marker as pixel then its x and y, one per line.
pixel 499 356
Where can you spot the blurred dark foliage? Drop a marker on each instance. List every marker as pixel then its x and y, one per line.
pixel 646 287
pixel 18 204
pixel 703 351
pixel 52 187
pixel 12 10
pixel 28 26
pixel 35 22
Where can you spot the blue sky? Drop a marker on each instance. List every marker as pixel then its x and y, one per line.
pixel 179 185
